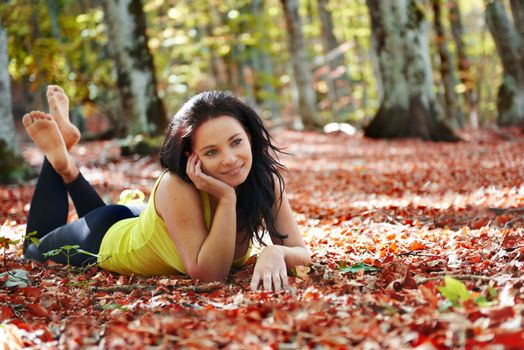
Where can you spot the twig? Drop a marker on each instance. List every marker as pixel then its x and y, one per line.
pixel 203 288
pixel 417 253
pixel 500 211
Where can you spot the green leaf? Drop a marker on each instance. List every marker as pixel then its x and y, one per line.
pixel 69 247
pixel 135 197
pixel 482 301
pixel 30 236
pixel 360 266
pixel 52 252
pixel 81 251
pixel 454 290
pixel 114 306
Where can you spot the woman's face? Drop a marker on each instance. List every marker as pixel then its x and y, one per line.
pixel 224 149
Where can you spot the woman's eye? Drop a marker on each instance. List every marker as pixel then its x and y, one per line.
pixel 210 153
pixel 236 142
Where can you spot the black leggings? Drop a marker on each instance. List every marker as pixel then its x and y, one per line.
pixel 48 218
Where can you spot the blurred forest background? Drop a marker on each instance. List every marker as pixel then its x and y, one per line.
pixel 417 68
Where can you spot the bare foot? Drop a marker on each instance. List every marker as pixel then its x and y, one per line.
pixel 59 110
pixel 44 131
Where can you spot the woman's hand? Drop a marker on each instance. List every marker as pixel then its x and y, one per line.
pixel 204 182
pixel 271 269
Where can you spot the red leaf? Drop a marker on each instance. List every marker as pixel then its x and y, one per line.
pixel 36 310
pixel 31 292
pixel 6 312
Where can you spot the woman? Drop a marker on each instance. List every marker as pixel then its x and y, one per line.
pixel 221 190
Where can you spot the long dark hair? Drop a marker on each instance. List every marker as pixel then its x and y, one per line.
pixel 255 196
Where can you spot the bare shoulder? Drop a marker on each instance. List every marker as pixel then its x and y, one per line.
pixel 173 192
pixel 279 187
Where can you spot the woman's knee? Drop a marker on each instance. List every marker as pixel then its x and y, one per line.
pixel 32 252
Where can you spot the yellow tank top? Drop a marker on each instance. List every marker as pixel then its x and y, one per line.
pixel 143 246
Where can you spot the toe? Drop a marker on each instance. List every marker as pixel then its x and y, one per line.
pixel 37 115
pixel 27 120
pixel 59 89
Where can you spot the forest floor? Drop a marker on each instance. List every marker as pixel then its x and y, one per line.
pixel 414 245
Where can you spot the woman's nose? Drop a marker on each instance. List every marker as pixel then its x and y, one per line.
pixel 229 158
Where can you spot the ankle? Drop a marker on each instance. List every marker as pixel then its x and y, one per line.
pixel 70 173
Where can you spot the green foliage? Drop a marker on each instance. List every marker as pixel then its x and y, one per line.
pixel 134 197
pixel 357 267
pixel 31 236
pixel 69 251
pixel 217 44
pixel 457 293
pixel 454 290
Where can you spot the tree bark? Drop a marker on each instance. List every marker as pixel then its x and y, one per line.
pixel 301 67
pixel 409 107
pixel 11 164
pixel 463 62
pixel 453 107
pixel 263 66
pixel 143 110
pixel 510 46
pixel 7 124
pixel 338 81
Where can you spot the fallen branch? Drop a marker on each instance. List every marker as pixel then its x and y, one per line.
pixel 199 288
pixel 500 211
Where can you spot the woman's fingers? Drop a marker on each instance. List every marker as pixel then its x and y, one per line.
pixel 276 282
pixel 198 167
pixel 267 281
pixel 255 281
pixel 283 277
pixel 191 167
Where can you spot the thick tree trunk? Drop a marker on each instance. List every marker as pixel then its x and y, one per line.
pixel 510 46
pixel 463 62
pixel 301 67
pixel 143 110
pixel 337 78
pixel 7 124
pixel 453 107
pixel 11 165
pixel 517 10
pixel 409 107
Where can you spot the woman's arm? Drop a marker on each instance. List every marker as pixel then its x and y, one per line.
pixel 207 256
pixel 274 261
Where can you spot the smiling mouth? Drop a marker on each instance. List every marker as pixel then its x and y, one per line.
pixel 234 171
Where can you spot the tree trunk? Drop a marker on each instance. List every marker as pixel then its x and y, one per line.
pixel 409 107
pixel 453 107
pixel 301 67
pixel 463 62
pixel 143 110
pixel 337 78
pixel 510 46
pixel 10 162
pixel 262 65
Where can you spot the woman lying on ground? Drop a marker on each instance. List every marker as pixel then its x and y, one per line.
pixel 220 192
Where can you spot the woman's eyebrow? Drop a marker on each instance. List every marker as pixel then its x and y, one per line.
pixel 211 146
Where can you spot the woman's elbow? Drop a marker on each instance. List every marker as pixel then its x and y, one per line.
pixel 205 275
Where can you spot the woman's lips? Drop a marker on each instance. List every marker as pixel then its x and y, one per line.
pixel 234 171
